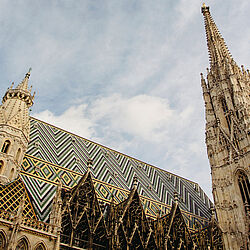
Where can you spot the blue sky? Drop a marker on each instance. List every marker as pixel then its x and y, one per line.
pixel 125 74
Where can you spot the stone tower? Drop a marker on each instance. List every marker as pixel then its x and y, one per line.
pixel 14 129
pixel 226 95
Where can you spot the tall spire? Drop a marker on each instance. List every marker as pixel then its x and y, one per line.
pixel 226 95
pixel 217 48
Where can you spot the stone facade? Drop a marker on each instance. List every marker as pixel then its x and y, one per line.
pixel 226 95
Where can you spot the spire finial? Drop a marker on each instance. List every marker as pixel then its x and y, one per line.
pixel 135 181
pixel 90 164
pixel 28 73
pixel 176 197
pixel 24 84
pixel 204 8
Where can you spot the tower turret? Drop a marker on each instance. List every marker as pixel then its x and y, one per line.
pixel 14 128
pixel 226 96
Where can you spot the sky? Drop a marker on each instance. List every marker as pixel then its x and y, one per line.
pixel 123 73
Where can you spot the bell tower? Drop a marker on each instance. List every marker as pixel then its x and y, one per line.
pixel 226 95
pixel 14 129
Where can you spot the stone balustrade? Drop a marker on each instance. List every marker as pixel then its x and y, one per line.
pixel 27 222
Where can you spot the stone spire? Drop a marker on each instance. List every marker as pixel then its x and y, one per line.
pixel 226 95
pixel 217 47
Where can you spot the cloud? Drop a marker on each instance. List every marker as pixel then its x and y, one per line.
pixel 73 119
pixel 143 115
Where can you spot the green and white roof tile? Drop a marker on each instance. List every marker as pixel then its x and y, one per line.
pixel 54 154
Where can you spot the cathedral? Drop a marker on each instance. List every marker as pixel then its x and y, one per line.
pixel 61 191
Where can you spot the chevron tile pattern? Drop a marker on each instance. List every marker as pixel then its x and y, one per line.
pixel 55 154
pixel 41 175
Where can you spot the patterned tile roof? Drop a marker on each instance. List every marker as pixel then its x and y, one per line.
pixel 55 154
pixel 12 194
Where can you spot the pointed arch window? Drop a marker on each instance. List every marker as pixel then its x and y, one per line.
pixel 18 154
pixel 226 112
pixel 224 105
pixel 22 244
pixel 12 173
pixel 244 188
pixel 2 241
pixel 6 147
pixel 40 246
pixel 1 168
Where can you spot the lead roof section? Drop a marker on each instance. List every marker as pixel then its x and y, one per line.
pixel 67 156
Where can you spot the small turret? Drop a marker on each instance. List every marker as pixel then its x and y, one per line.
pixel 14 129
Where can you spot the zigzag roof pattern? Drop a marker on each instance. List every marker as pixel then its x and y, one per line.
pixel 55 154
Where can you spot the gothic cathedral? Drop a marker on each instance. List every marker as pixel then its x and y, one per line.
pixel 61 191
pixel 226 95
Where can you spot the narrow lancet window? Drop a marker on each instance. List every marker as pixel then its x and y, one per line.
pixel 244 189
pixel 226 113
pixel 1 169
pixel 12 173
pixel 22 245
pixel 18 155
pixel 2 241
pixel 40 247
pixel 6 147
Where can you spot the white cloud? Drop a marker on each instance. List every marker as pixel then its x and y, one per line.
pixel 143 115
pixel 73 119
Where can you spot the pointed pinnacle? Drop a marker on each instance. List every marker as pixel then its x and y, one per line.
pixel 212 209
pixel 90 164
pixel 203 84
pixel 176 197
pixel 135 182
pixel 24 84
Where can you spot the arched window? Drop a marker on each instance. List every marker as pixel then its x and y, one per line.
pixel 12 173
pixel 40 246
pixel 224 105
pixel 226 113
pixel 2 241
pixel 1 168
pixel 22 244
pixel 244 188
pixel 18 155
pixel 6 147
